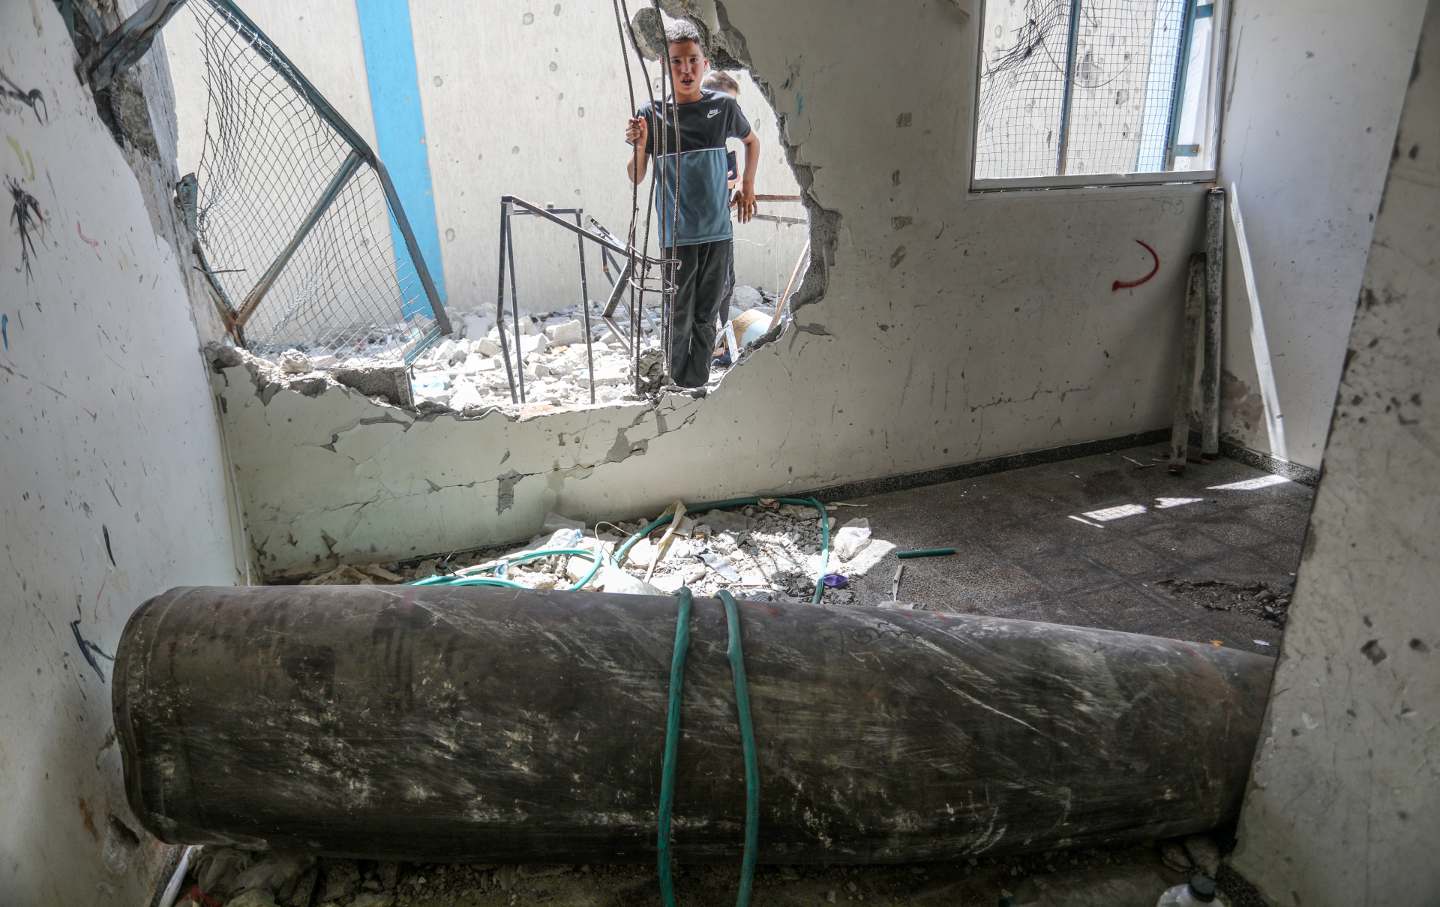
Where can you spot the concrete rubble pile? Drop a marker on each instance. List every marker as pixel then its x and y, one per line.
pixel 466 371
pixel 766 552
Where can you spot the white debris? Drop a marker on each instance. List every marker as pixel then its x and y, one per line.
pixel 566 332
pixel 474 324
pixel 613 580
pixel 851 538
pixel 533 343
pixel 294 362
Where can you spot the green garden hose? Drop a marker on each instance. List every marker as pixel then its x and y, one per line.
pixel 747 745
pixel 672 748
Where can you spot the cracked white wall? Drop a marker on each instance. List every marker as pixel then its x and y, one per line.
pixel 953 328
pixel 111 477
pixel 1313 95
pixel 1344 801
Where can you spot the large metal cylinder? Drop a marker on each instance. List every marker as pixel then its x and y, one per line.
pixel 434 723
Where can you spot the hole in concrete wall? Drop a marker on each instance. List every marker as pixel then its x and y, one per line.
pixel 555 141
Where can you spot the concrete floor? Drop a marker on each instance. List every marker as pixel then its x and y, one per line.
pixel 1089 542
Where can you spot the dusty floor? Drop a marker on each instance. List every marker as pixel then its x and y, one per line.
pixel 1109 541
pixel 1105 541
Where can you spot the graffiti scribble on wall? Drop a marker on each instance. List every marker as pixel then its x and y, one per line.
pixel 26 218
pixel 32 98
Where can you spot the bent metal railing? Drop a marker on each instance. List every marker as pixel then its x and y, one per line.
pixel 299 230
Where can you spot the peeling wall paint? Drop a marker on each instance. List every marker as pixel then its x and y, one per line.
pixel 112 481
pixel 1344 801
pixel 982 326
pixel 1312 97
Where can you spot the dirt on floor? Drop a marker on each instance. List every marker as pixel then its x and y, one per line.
pixel 1089 877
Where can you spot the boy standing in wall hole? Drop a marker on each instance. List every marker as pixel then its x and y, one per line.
pixel 702 240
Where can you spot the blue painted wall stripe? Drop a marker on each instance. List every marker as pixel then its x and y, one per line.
pixel 400 129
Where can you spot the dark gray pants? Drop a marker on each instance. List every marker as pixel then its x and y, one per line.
pixel 702 284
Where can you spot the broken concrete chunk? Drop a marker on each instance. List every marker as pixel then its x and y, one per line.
pixel 486 346
pixel 223 356
pixel 294 362
pixel 745 297
pixel 613 580
pixel 851 538
pixel 474 325
pixel 565 332
pixel 533 344
pixel 390 382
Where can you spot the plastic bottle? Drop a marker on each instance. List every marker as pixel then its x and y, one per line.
pixel 1198 891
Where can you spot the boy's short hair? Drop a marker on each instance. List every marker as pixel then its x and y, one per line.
pixel 683 30
pixel 718 80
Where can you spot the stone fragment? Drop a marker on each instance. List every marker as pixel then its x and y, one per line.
pixel 294 362
pixel 474 325
pixel 486 346
pixel 565 332
pixel 391 382
pixel 851 538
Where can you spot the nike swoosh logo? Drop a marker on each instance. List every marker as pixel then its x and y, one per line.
pixel 713 111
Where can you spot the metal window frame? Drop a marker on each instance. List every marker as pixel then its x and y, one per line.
pixel 1220 10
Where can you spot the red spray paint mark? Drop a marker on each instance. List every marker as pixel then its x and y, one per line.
pixel 94 244
pixel 1131 284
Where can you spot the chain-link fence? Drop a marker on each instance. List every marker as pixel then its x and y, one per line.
pixel 1071 87
pixel 300 231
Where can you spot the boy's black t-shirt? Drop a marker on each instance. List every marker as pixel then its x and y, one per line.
pixel 704 212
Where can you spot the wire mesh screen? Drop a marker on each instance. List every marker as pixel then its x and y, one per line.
pixel 1072 87
pixel 293 222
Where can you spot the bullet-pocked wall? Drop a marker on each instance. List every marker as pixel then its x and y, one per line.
pixel 112 471
pixel 527 99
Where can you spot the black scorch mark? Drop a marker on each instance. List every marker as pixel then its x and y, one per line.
pixel 32 98
pixel 26 217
